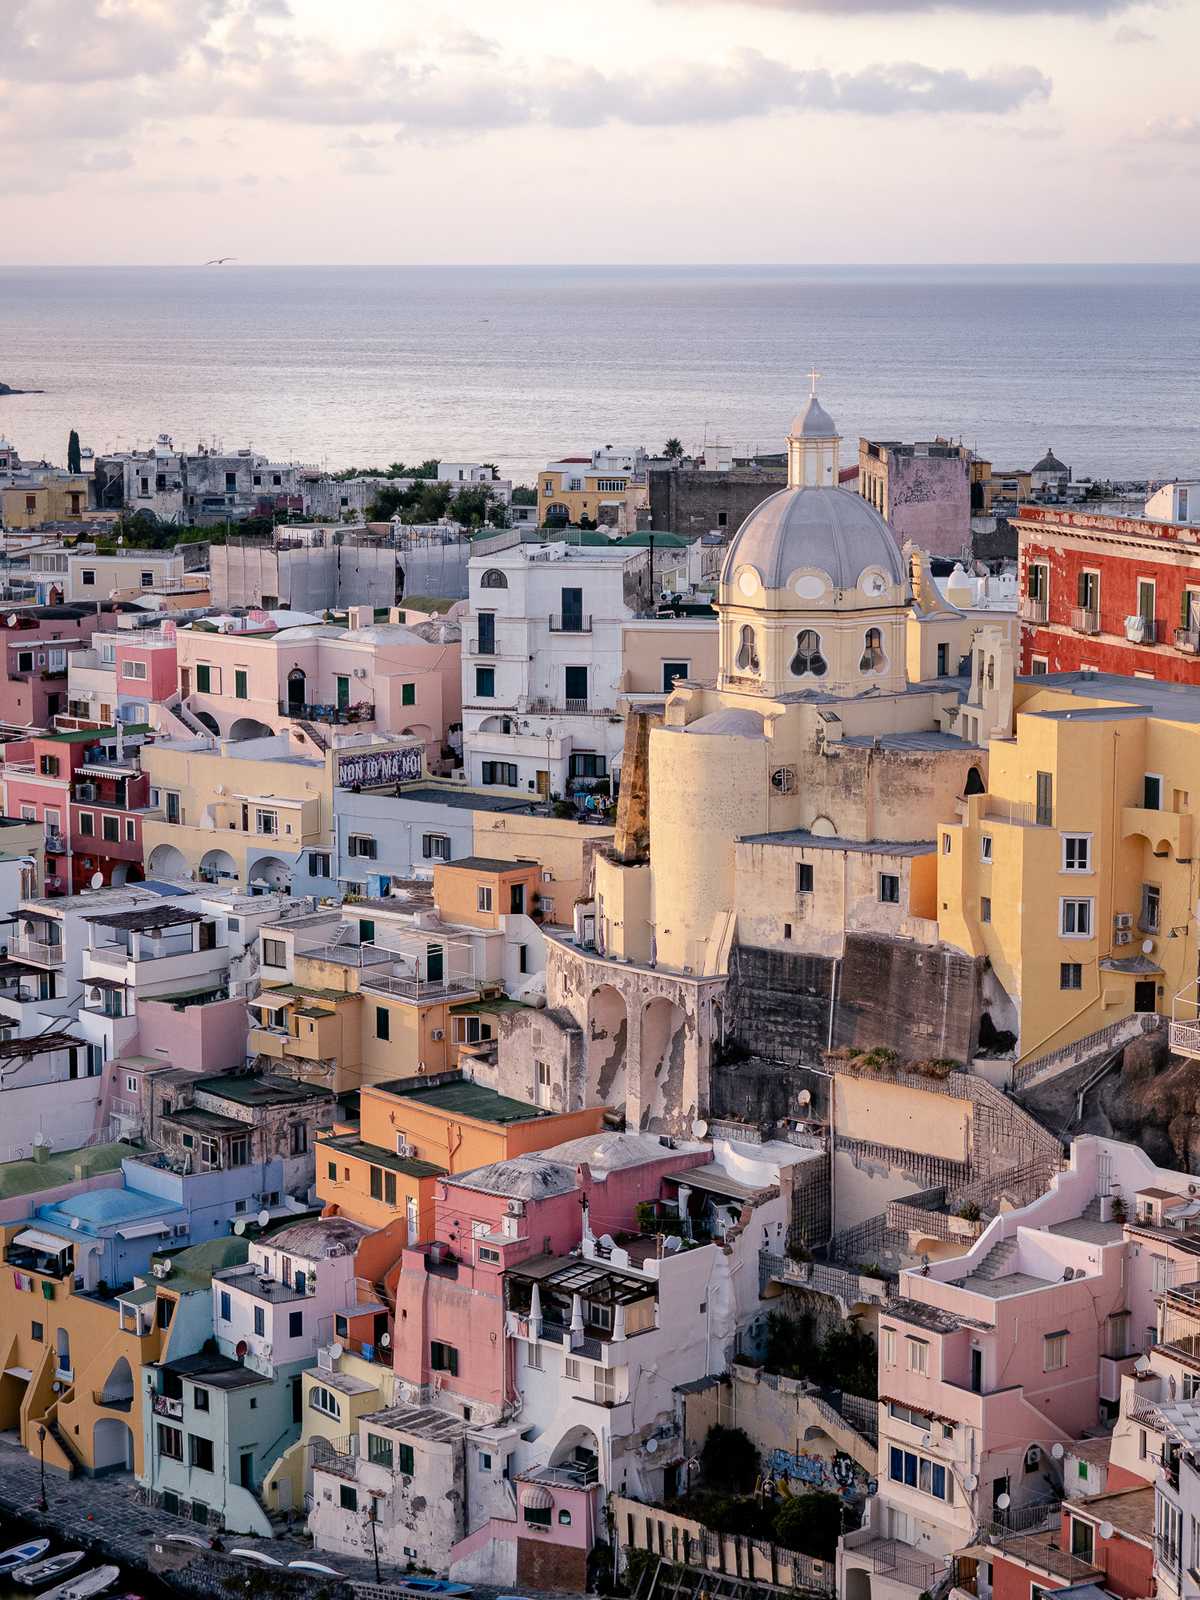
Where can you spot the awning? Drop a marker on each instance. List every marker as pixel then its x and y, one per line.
pixel 536 1497
pixel 47 1243
pixel 141 1230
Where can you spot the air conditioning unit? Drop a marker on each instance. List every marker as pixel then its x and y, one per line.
pixel 360 672
pixel 85 791
pixel 1123 919
pixel 1123 936
pixel 515 1208
pixel 404 1148
pixel 438 1033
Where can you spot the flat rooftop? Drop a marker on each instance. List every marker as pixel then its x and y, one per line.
pixel 350 1144
pixel 265 1090
pixel 465 1099
pixel 489 864
pixel 1131 697
pixel 801 839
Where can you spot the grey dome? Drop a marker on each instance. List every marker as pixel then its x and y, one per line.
pixel 833 530
pixel 814 422
pixel 1049 463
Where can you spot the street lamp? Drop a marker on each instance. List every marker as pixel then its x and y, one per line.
pixel 42 1506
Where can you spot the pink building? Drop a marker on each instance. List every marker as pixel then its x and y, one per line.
pixel 146 670
pixel 248 677
pixel 37 641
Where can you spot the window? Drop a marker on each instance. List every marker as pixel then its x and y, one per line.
pixel 260 1321
pixel 376 1183
pixel 1083 1540
pixel 747 656
pixel 672 671
pixel 408 694
pixel 1152 790
pixel 170 1442
pixel 918 1472
pixel 87 823
pixel 130 830
pixel 485 1461
pixel 435 846
pixel 489 1254
pixel 1145 602
pixel 347 1497
pixel 888 1336
pixel 947 844
pixel 493 578
pixel 199 1399
pixel 133 669
pixel 88 576
pixel 1088 591
pixel 1039 666
pixel 225 1310
pixel 443 1358
pixel 483 898
pixel 1038 581
pixel 1077 852
pixel 295 1324
pixel 1070 975
pixel 320 1399
pixel 383 1022
pixel 1044 805
pixel 203 678
pixel 889 888
pixel 501 772
pixel 985 846
pixel 239 1150
pixel 379 1451
pixel 533 1357
pixel 909 1414
pixel 318 863
pixel 1054 1351
pixel 48 766
pixel 918 1355
pixel 274 953
pixel 808 660
pixel 587 764
pixel 266 822
pixel 985 908
pixel 37 1332
pixel 200 1452
pixel 540 1516
pixel 110 828
pixel 1075 919
pixel 872 659
pixel 241 685
pixel 1150 919
pixel 485 683
pixel 575 685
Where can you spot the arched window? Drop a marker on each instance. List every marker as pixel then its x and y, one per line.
pixel 493 578
pixel 747 656
pixel 974 783
pixel 872 656
pixel 808 657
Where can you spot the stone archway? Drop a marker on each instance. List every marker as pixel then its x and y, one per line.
pixel 218 866
pixel 661 1066
pixel 607 1046
pixel 112 1446
pixel 249 728
pixel 209 721
pixel 269 873
pixel 167 861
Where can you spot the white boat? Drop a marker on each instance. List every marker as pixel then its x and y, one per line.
pixel 313 1566
pixel 257 1555
pixel 35 1573
pixel 85 1585
pixel 21 1554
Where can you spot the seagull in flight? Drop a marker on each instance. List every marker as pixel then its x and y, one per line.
pixel 219 261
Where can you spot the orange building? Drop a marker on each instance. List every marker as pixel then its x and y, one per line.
pixel 416 1130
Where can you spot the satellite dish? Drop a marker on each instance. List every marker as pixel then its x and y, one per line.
pixel 239 1226
pixel 166 1266
pixel 12 619
pixel 385 1339
pixel 651 1447
pixel 75 1221
pixel 972 1482
pixel 1057 1451
pixel 699 1128
pixel 336 1352
pixel 804 1098
pixel 96 880
pixel 240 1348
pixel 263 1218
pixel 1106 1530
pixel 1142 1364
pixel 1003 1501
pixel 1147 947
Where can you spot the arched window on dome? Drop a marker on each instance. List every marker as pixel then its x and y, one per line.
pixel 872 659
pixel 493 578
pixel 808 659
pixel 747 656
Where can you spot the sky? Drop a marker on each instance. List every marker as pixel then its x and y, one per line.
pixel 638 131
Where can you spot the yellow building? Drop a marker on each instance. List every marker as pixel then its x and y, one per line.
pixel 49 497
pixel 604 487
pixel 1073 873
pixel 334 1395
pixel 565 849
pixel 73 1359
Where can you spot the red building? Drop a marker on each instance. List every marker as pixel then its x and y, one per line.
pixel 1117 594
pixel 1107 1540
pixel 90 797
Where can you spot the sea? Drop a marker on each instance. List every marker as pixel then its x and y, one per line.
pixel 364 366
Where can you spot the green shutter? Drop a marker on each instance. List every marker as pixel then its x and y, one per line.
pixel 203 679
pixel 240 690
pixel 408 694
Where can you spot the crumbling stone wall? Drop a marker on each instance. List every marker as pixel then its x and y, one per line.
pixel 687 500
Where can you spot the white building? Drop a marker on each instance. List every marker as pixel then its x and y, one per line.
pixel 560 640
pixel 1175 502
pixel 49 1091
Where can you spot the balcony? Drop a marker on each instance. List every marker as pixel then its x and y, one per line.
pixel 306 711
pixel 1166 832
pixel 41 953
pixel 1187 641
pixel 1085 621
pixel 571 622
pixel 420 990
pixel 1142 630
pixel 252 1281
pixel 56 842
pixel 1184 1039
pixel 1034 610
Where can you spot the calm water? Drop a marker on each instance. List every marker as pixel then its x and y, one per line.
pixel 518 365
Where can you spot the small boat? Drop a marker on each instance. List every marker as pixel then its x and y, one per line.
pixel 313 1566
pixel 187 1538
pixel 260 1556
pixel 22 1554
pixel 85 1585
pixel 35 1573
pixel 442 1586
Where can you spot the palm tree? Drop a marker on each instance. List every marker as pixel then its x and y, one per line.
pixel 673 450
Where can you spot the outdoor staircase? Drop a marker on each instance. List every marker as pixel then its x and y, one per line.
pixel 1091 1212
pixel 310 731
pixel 998 1262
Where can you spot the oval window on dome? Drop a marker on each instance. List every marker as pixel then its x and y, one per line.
pixel 748 581
pixel 808 660
pixel 811 586
pixel 747 656
pixel 873 583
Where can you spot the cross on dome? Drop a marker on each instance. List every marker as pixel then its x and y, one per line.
pixel 813 375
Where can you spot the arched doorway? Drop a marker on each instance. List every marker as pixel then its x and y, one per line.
pixel 296 692
pixel 112 1446
pixel 166 861
pixel 118 1386
pixel 250 728
pixel 578 1448
pixel 607 1041
pixel 269 873
pixel 209 721
pixel 661 1066
pixel 218 866
pixel 858 1584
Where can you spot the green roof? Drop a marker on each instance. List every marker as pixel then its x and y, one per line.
pixel 27 1177
pixel 193 1268
pixel 465 1099
pixel 259 1089
pixel 662 541
pixel 350 1144
pixel 91 735
pixel 481 1007
pixel 296 991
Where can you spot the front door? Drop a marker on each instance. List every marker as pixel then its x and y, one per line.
pixel 1145 995
pixel 343 693
pixel 543 783
pixel 295 691
pixel 572 610
pixel 435 964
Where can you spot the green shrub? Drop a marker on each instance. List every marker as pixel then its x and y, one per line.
pixel 810 1523
pixel 728 1457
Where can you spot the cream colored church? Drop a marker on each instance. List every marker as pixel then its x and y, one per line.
pixel 793 808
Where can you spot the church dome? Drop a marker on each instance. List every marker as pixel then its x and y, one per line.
pixel 814 422
pixel 834 531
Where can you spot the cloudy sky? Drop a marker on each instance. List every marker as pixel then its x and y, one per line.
pixel 145 131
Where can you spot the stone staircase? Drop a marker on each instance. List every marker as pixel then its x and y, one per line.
pixel 998 1262
pixel 313 733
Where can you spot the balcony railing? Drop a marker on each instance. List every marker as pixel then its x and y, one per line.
pixel 309 711
pixel 1033 610
pixel 1085 621
pixel 1185 1039
pixel 572 622
pixel 1187 640
pixel 412 988
pixel 46 955
pixel 1142 630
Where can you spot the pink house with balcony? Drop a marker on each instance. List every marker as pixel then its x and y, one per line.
pixel 249 677
pixel 35 643
pixel 146 671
